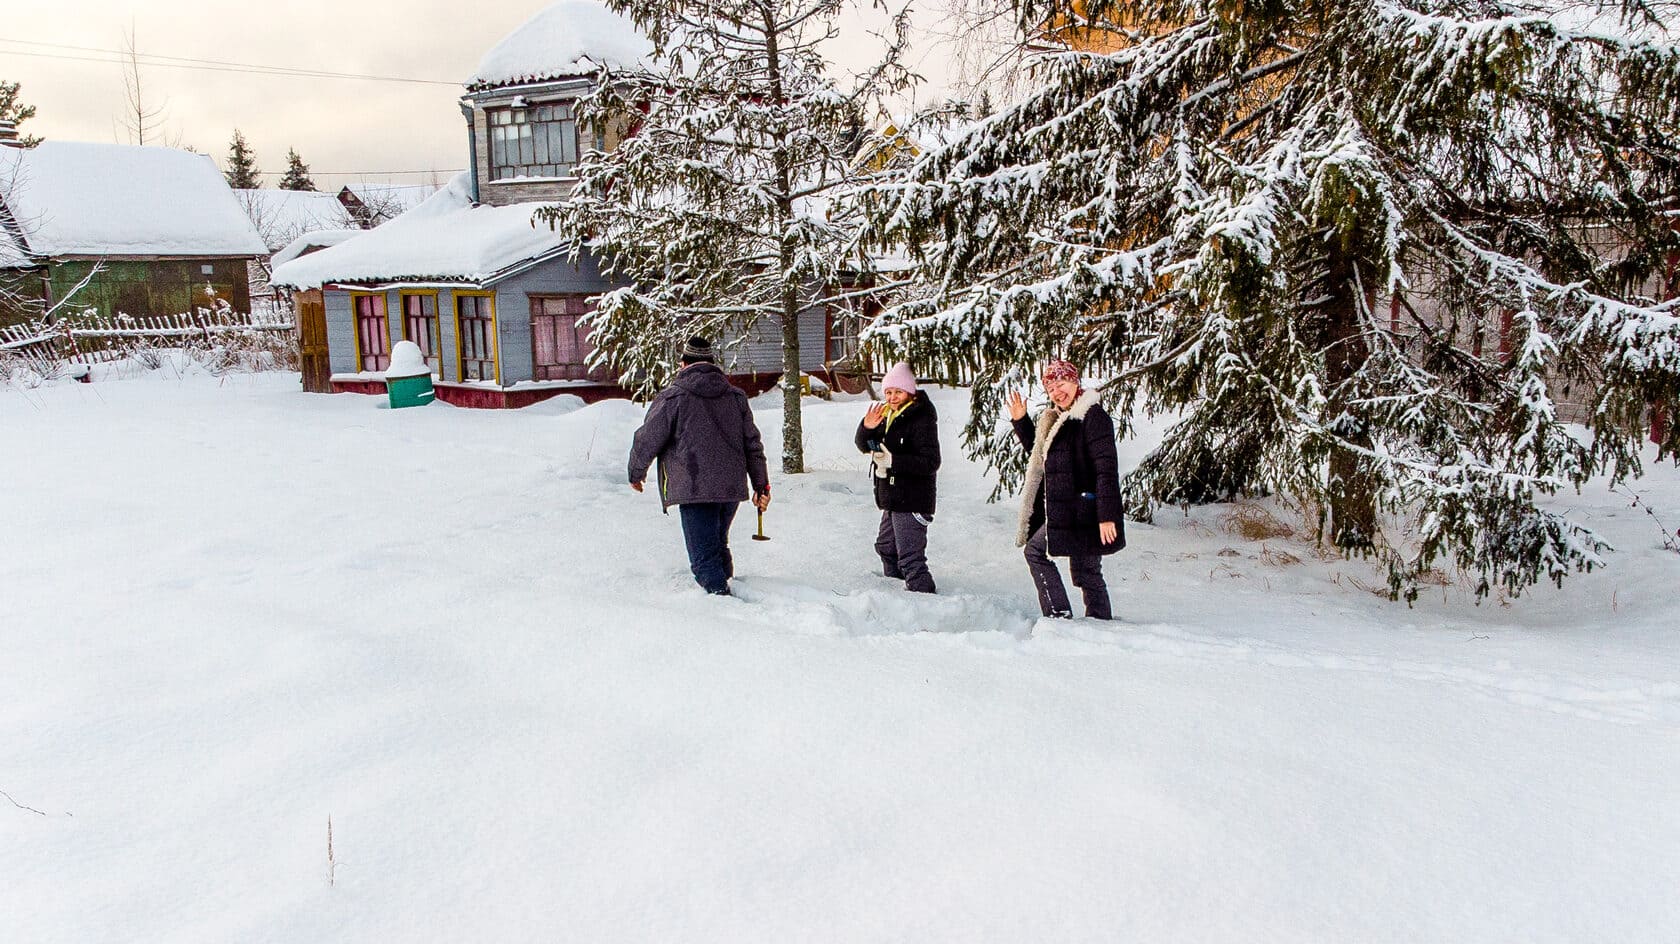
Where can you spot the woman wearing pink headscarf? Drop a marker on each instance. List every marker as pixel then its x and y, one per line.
pixel 1070 505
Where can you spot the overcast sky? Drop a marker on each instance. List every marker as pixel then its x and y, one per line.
pixel 345 129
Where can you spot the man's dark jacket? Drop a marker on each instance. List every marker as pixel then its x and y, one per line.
pixel 702 432
pixel 913 440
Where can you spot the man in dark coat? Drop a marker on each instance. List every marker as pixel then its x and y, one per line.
pixel 701 431
pixel 901 436
pixel 1071 503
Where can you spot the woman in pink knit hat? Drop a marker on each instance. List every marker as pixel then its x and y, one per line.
pixel 901 435
pixel 1070 505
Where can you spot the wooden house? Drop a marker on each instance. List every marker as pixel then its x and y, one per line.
pixel 1074 29
pixel 282 217
pixel 124 229
pixel 367 205
pixel 491 299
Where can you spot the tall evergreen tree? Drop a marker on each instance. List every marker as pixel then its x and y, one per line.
pixel 297 173
pixel 242 164
pixel 716 206
pixel 13 109
pixel 1358 247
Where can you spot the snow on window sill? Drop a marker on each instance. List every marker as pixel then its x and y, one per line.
pixel 532 180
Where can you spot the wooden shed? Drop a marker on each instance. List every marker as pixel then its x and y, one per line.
pixel 123 229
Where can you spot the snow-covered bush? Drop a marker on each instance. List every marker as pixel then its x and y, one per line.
pixel 219 340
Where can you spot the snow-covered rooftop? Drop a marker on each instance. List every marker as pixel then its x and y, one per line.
pixel 445 239
pixel 74 198
pixel 392 199
pixel 568 38
pixel 312 241
pixel 283 215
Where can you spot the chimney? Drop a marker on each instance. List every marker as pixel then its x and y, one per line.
pixel 8 133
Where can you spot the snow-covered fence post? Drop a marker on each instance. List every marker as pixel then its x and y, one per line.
pixel 198 317
pixel 67 334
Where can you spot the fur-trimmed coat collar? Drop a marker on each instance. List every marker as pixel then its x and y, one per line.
pixel 1049 424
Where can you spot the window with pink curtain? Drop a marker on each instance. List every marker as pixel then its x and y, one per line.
pixel 559 345
pixel 373 335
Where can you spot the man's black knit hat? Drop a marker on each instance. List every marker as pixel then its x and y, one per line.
pixel 698 349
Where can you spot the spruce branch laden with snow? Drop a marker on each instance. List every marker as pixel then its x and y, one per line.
pixel 1360 248
pixel 718 205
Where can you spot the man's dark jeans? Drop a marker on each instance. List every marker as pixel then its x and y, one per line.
pixel 706 533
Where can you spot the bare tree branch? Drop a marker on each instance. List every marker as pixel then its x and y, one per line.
pixel 20 805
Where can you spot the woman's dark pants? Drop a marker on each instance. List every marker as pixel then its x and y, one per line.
pixel 1052 595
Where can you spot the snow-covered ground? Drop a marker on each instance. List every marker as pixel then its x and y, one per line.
pixel 232 610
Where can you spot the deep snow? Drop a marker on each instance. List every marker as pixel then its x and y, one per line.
pixel 232 610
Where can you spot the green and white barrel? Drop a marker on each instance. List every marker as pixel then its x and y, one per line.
pixel 408 381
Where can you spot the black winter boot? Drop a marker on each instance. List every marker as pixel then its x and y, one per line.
pixel 1097 605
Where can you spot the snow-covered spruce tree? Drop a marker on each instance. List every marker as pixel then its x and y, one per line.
pixel 241 170
pixel 717 205
pixel 297 173
pixel 1358 247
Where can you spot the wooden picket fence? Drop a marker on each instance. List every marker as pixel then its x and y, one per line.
pixel 89 338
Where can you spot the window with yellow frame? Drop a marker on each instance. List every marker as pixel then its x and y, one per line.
pixel 373 332
pixel 475 332
pixel 420 325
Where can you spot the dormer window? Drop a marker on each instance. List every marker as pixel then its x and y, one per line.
pixel 533 141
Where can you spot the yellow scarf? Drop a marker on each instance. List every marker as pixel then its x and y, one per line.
pixel 893 414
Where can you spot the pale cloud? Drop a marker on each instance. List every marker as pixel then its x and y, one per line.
pixel 335 124
pixel 363 129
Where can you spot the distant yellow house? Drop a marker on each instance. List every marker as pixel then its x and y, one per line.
pixel 884 147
